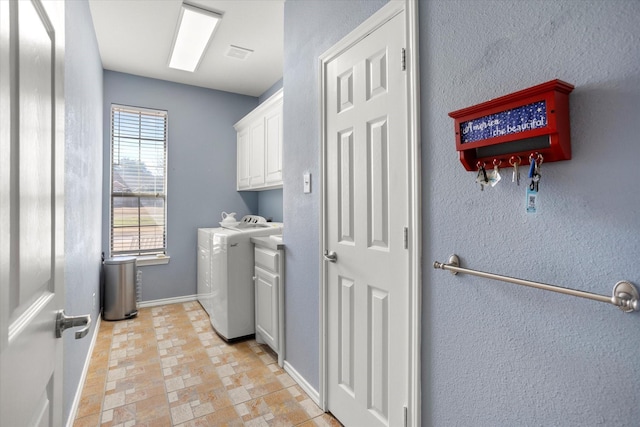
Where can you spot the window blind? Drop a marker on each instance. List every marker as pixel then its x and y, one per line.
pixel 138 181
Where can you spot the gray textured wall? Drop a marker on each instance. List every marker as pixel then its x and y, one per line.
pixel 83 185
pixel 498 354
pixel 201 169
pixel 492 353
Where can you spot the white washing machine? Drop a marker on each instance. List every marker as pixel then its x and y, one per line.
pixel 205 244
pixel 229 296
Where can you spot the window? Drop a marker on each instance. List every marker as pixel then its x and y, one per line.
pixel 138 181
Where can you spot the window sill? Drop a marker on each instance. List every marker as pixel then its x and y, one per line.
pixel 143 261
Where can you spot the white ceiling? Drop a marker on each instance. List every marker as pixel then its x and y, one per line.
pixel 135 37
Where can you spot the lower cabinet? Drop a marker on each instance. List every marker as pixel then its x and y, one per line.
pixel 267 290
pixel 269 299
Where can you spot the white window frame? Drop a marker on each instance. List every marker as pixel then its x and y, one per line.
pixel 142 259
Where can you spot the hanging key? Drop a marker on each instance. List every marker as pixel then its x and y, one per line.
pixel 539 161
pixel 535 181
pixel 515 162
pixel 536 174
pixel 482 177
pixel 532 170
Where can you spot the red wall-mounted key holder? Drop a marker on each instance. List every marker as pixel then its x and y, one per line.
pixel 533 120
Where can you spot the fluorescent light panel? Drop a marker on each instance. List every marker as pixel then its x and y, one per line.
pixel 194 32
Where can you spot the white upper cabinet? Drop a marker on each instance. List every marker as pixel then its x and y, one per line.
pixel 260 146
pixel 243 159
pixel 273 146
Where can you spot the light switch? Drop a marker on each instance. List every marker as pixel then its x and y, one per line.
pixel 307 182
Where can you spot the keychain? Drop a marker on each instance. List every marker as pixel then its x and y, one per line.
pixel 482 178
pixel 534 173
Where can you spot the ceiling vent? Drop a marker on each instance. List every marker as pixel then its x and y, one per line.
pixel 238 52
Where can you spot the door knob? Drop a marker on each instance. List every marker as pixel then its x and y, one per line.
pixel 64 322
pixel 330 256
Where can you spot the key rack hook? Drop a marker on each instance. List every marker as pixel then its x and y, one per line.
pixel 515 160
pixel 539 159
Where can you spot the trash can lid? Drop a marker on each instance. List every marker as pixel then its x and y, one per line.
pixel 120 260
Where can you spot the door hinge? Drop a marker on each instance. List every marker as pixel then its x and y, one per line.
pixel 405 416
pixel 403 59
pixel 406 238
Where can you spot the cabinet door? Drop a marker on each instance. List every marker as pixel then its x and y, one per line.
pixel 256 154
pixel 267 294
pixel 273 144
pixel 243 158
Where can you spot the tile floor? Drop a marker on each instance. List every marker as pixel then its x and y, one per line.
pixel 167 367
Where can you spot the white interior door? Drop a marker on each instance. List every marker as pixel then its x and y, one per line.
pixel 366 212
pixel 31 211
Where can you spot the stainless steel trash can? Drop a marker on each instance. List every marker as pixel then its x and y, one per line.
pixel 120 288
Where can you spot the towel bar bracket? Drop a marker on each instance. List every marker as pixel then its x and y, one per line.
pixel 625 295
pixel 454 261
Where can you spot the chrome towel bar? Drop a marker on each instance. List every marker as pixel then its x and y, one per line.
pixel 625 295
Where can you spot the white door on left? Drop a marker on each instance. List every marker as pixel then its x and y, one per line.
pixel 31 211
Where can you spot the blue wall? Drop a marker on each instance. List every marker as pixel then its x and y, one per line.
pixel 273 89
pixel 270 204
pixel 83 186
pixel 492 353
pixel 202 169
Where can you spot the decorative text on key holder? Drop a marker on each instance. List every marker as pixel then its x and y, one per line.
pixel 531 120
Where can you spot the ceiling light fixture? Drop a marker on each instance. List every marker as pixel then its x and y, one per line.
pixel 195 28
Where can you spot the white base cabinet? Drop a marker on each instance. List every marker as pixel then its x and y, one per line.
pixel 259 150
pixel 269 297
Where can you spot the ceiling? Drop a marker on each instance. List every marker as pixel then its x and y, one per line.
pixel 135 37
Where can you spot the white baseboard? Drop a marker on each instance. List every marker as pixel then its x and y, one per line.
pixel 165 301
pixel 83 377
pixel 312 392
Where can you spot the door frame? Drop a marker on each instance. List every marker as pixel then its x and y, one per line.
pixel 410 7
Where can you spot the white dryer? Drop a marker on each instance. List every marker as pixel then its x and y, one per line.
pixel 230 301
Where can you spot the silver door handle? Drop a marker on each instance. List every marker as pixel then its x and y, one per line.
pixel 330 256
pixel 65 322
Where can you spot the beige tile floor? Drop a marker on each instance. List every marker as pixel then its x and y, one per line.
pixel 167 367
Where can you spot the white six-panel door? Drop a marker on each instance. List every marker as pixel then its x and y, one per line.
pixel 31 211
pixel 366 211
